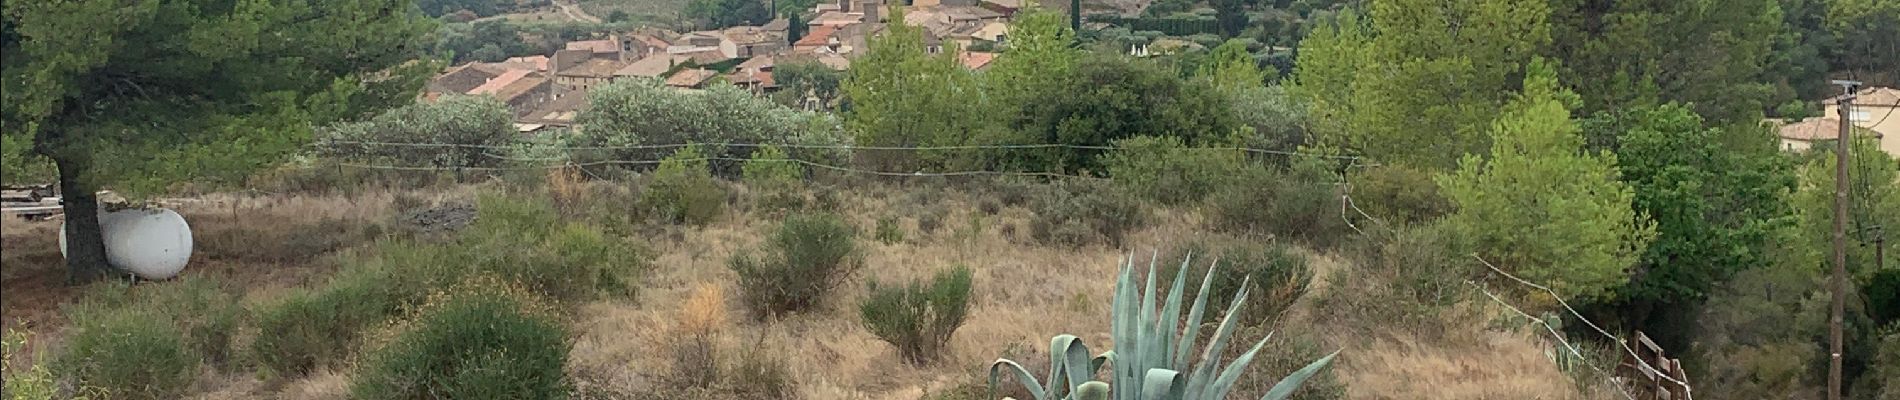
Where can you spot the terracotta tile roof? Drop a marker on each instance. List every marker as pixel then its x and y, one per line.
pixel 691 78
pixel 597 46
pixel 976 59
pixel 1816 128
pixel 461 79
pixel 761 78
pixel 708 57
pixel 759 63
pixel 818 36
pixel 836 18
pixel 499 82
pixel 525 85
pixel 651 67
pixel 744 35
pixel 560 111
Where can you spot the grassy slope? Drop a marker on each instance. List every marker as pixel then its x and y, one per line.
pixel 1025 293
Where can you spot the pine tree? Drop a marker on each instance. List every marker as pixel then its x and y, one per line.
pixel 136 95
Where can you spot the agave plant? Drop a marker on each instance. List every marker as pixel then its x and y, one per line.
pixel 1151 361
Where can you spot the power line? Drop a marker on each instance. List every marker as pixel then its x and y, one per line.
pixel 826 147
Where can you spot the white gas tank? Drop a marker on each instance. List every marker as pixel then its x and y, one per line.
pixel 151 243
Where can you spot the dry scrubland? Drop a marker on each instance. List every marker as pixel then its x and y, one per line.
pixel 264 246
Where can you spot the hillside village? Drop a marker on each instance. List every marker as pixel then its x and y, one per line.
pixel 549 91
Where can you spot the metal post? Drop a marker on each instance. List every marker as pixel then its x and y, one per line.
pixel 1841 145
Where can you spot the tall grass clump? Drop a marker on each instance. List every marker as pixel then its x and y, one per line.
pixel 480 340
pixel 804 260
pixel 702 324
pixel 918 318
pixel 683 190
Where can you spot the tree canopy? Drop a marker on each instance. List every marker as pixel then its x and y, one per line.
pixel 1421 83
pixel 1539 206
pixel 133 95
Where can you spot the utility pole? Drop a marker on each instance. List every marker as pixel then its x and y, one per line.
pixel 1846 105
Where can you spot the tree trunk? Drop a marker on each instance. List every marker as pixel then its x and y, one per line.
pixel 85 241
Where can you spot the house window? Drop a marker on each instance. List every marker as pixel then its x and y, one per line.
pixel 1861 115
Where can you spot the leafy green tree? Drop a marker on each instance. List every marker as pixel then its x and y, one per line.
pixel 1422 82
pixel 901 96
pixel 1269 118
pixel 135 95
pixel 479 122
pixel 1873 200
pixel 1231 66
pixel 468 42
pixel 1114 97
pixel 437 8
pixel 1324 76
pixel 729 13
pixel 801 80
pixel 1712 55
pixel 1230 16
pixel 1540 207
pixel 1868 32
pixel 1716 209
pixel 1039 59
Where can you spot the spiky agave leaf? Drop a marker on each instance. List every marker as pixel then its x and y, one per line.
pixel 1293 381
pixel 1149 355
pixel 1069 366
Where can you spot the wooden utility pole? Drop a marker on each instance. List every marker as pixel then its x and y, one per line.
pixel 1846 105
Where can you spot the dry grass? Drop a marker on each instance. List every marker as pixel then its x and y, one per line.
pixel 1501 366
pixel 1023 294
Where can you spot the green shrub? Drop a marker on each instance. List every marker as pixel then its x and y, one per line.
pixel 930 219
pixel 1398 194
pixel 919 318
pixel 888 231
pixel 474 342
pixel 801 263
pixel 522 241
pixel 36 381
pixel 128 353
pixel 1165 170
pixel 779 184
pixel 1083 212
pixel 147 341
pixel 683 190
pixel 1275 274
pixel 1302 203
pixel 307 331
